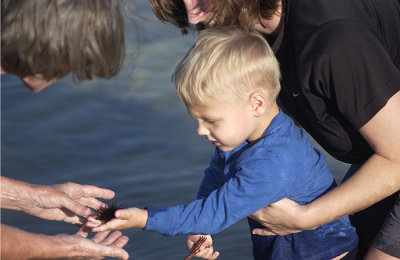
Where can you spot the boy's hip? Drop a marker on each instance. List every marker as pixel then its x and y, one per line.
pixel 326 242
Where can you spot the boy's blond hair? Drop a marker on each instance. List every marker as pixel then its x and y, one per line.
pixel 47 36
pixel 227 60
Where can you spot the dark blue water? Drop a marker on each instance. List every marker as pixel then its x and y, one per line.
pixel 130 134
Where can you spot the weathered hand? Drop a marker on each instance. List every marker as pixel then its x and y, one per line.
pixel 279 218
pixel 102 245
pixel 206 250
pixel 19 244
pixel 64 202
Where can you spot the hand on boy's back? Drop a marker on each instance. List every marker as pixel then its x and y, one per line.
pixel 206 249
pixel 123 219
pixel 279 218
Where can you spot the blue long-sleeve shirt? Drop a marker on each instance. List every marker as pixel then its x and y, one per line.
pixel 282 164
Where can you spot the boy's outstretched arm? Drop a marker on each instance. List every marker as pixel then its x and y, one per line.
pixel 124 219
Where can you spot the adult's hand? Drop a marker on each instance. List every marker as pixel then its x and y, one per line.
pixel 101 245
pixel 19 244
pixel 62 202
pixel 280 218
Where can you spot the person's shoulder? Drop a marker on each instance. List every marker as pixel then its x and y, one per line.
pixel 339 35
pixel 338 43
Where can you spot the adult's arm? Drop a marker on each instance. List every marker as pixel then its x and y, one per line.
pixel 378 178
pixel 63 202
pixel 19 244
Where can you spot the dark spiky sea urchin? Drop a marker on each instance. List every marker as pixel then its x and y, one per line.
pixel 107 213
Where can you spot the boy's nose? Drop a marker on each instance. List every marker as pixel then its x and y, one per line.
pixel 201 130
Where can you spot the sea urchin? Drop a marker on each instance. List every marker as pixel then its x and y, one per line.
pixel 107 213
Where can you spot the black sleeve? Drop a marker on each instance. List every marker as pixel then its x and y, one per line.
pixel 350 67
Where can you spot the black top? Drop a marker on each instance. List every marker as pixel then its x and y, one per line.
pixel 340 62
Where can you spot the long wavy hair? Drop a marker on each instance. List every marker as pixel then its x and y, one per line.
pixel 228 12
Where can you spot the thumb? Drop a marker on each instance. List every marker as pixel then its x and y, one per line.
pixel 83 232
pixel 124 214
pixel 115 252
pixel 215 255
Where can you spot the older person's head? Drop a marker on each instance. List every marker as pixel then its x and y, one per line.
pixel 42 41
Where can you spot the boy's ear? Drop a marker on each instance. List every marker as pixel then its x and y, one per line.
pixel 258 103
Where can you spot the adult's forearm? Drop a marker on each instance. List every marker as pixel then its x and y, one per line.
pixel 14 194
pixel 377 179
pixel 19 244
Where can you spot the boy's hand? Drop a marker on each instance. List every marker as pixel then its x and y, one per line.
pixel 124 218
pixel 206 250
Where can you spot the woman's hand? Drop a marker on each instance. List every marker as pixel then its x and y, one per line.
pixel 280 218
pixel 206 250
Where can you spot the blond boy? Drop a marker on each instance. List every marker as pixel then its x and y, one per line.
pixel 229 82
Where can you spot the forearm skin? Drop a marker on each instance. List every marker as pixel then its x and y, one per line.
pixel 19 244
pixel 15 194
pixel 377 179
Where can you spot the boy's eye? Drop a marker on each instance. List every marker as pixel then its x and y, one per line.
pixel 210 121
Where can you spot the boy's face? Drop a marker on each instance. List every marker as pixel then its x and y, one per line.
pixel 225 125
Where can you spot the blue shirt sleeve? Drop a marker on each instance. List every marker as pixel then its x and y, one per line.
pixel 213 177
pixel 246 191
